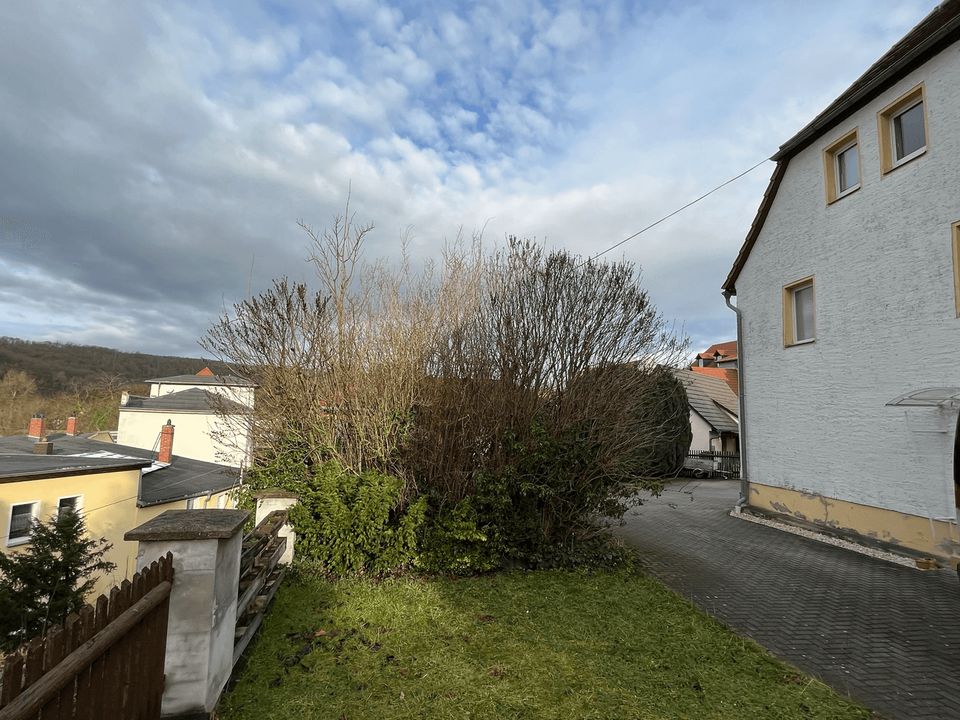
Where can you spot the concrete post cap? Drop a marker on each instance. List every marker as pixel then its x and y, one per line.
pixel 190 525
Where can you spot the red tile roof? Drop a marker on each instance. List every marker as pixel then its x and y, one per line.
pixel 728 375
pixel 727 349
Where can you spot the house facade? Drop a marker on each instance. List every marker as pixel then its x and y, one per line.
pixel 115 487
pixel 713 412
pixel 211 413
pixel 848 296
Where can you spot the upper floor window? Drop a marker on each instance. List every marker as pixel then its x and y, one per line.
pixel 903 130
pixel 841 166
pixel 799 324
pixel 21 522
pixel 72 503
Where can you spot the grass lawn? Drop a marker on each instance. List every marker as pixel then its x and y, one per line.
pixel 547 644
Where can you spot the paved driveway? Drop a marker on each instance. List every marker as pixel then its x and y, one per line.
pixel 886 635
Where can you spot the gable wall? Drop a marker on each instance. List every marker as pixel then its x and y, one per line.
pixel 885 315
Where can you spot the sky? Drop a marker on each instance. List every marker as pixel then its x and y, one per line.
pixel 155 157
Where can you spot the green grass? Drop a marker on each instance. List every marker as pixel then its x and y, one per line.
pixel 546 644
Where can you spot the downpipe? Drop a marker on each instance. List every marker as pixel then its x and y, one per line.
pixel 744 482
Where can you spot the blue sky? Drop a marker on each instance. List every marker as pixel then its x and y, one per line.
pixel 155 157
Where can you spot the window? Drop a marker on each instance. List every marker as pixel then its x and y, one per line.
pixel 21 519
pixel 956 265
pixel 799 325
pixel 841 166
pixel 903 130
pixel 73 503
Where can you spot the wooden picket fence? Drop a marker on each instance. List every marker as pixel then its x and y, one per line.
pixel 260 577
pixel 105 662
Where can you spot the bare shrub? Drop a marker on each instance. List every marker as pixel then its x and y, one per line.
pixel 516 373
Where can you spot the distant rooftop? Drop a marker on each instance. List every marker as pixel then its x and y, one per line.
pixel 160 483
pixel 192 400
pixel 712 399
pixel 204 377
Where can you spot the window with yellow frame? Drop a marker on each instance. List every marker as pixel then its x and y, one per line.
pixel 799 321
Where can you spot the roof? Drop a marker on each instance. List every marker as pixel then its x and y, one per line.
pixel 711 398
pixel 729 375
pixel 161 483
pixel 932 35
pixel 231 380
pixel 192 400
pixel 727 349
pixel 17 466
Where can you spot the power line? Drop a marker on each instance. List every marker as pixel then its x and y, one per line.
pixel 675 212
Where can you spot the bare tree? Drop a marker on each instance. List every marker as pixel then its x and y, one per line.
pixel 443 374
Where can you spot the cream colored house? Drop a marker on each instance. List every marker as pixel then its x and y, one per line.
pixel 848 301
pixel 115 487
pixel 211 413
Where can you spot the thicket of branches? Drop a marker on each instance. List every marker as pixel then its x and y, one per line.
pixel 522 383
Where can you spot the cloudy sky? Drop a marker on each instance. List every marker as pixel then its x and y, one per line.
pixel 155 157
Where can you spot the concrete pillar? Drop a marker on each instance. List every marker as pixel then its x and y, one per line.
pixel 276 499
pixel 203 603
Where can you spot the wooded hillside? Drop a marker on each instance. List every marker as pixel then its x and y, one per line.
pixel 61 367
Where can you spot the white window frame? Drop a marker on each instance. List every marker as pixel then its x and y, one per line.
pixel 78 505
pixel 34 514
pixel 855 142
pixel 893 134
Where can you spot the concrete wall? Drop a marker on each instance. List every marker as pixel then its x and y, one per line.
pixel 886 321
pixel 701 433
pixel 197 435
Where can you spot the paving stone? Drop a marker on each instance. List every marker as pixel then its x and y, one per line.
pixel 887 635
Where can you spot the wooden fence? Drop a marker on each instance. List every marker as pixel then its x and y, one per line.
pixel 105 662
pixel 260 576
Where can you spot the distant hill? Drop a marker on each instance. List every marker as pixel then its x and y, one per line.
pixel 56 367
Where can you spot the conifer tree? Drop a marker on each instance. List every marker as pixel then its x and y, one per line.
pixel 51 579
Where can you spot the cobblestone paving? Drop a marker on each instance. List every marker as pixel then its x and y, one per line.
pixel 886 635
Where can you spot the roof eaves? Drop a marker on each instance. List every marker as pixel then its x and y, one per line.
pixel 938 30
pixel 729 285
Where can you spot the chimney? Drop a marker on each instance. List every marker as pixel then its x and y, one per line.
pixel 124 398
pixel 166 444
pixel 43 447
pixel 72 425
pixel 37 428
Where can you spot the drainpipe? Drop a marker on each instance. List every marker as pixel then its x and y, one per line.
pixel 744 482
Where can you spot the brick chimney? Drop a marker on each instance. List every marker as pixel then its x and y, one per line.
pixel 166 443
pixel 37 427
pixel 72 425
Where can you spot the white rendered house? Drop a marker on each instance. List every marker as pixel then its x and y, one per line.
pixel 210 412
pixel 848 297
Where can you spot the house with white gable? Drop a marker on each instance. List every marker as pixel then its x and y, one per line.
pixel 211 414
pixel 847 291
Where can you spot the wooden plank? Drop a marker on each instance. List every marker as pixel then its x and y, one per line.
pixel 54 642
pixel 67 700
pixel 12 678
pixel 84 701
pixel 122 649
pixel 33 668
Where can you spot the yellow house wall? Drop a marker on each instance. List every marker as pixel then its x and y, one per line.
pixel 109 507
pixel 937 538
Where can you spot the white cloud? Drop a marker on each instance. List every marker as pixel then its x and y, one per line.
pixel 160 157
